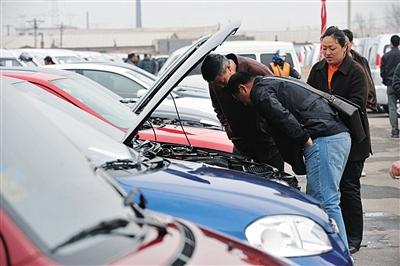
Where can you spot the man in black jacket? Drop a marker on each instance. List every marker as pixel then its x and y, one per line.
pixel 306 119
pixel 240 122
pixel 388 64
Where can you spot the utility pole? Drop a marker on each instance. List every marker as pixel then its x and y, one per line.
pixel 87 20
pixel 61 33
pixel 349 14
pixel 138 14
pixel 35 28
pixel 41 40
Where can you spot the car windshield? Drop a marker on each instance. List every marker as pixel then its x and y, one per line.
pixel 115 112
pixel 50 189
pixel 144 78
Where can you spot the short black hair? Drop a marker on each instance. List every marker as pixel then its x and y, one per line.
pixel 394 40
pixel 349 34
pixel 213 65
pixel 335 33
pixel 48 59
pixel 237 79
pixel 131 54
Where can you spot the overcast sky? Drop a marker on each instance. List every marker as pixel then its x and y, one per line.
pixel 255 15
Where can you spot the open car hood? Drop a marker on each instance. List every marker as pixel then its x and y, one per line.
pixel 174 74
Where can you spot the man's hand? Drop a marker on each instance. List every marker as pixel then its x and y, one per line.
pixel 394 170
pixel 308 143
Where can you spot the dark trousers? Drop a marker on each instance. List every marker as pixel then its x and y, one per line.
pixel 350 202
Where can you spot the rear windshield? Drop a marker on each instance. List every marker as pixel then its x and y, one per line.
pixel 267 58
pixel 115 112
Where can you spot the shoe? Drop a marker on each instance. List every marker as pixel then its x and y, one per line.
pixel 395 136
pixel 363 174
pixel 353 249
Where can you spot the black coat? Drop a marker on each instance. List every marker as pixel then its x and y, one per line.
pixel 396 81
pixel 388 64
pixel 350 82
pixel 294 114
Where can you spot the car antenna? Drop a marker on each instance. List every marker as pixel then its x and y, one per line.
pixel 180 121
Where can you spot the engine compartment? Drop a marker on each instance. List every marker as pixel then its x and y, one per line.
pixel 215 158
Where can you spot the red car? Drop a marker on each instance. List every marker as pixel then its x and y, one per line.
pixel 100 103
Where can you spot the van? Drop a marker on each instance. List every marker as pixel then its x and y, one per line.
pixel 373 49
pixel 261 51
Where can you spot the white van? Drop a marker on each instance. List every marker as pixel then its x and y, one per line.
pixel 261 51
pixel 373 49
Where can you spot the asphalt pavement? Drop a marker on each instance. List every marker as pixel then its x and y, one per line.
pixel 380 198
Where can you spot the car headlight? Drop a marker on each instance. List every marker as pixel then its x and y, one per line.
pixel 288 236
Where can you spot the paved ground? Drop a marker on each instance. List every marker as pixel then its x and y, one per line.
pixel 381 199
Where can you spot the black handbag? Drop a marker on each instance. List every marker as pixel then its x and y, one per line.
pixel 350 113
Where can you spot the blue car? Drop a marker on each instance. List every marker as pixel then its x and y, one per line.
pixel 271 216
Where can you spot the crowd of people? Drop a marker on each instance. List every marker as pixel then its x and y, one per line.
pixel 148 63
pixel 276 120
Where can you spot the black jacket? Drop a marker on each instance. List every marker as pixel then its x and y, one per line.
pixel 350 82
pixel 396 81
pixel 388 64
pixel 294 114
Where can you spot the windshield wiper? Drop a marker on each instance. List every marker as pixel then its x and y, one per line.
pixel 104 227
pixel 155 163
pixel 119 164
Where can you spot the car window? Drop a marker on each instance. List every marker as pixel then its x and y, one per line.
pixel 8 62
pixel 386 48
pixel 123 86
pixel 112 110
pixel 252 56
pixel 267 58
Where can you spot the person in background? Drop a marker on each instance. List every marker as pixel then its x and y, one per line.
pixel 240 122
pixel 281 68
pixel 48 60
pixel 339 74
pixel 388 64
pixel 133 59
pixel 307 120
pixel 394 170
pixel 148 64
pixel 371 100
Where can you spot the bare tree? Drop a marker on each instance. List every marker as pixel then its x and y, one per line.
pixel 393 17
pixel 360 23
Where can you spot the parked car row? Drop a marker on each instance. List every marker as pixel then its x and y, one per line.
pixel 373 48
pixel 74 128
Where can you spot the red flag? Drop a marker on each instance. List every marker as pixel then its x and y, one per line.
pixel 323 23
pixel 323 16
